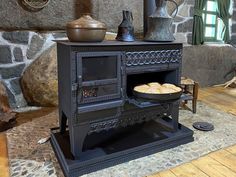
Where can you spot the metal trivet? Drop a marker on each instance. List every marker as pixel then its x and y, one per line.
pixel 203 126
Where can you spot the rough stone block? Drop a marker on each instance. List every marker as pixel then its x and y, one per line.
pixel 15 85
pixel 11 98
pixel 15 101
pixel 11 71
pixel 59 35
pixel 234 28
pixel 190 2
pixel 208 64
pixel 35 46
pixel 184 11
pixel 185 27
pixel 18 37
pixel 180 37
pixel 178 19
pixel 233 39
pixel 189 38
pixel 18 54
pixel 191 11
pixel 234 14
pixel 5 54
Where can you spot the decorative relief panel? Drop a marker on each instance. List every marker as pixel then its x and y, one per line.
pixel 153 57
pixel 130 119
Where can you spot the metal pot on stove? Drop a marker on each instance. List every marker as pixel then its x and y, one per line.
pixel 86 29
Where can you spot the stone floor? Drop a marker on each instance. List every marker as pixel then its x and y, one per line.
pixel 29 159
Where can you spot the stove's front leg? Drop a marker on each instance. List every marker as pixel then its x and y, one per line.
pixel 77 137
pixel 175 115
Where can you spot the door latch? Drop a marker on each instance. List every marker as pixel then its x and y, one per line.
pixel 74 87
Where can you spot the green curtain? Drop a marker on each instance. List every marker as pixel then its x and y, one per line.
pixel 224 14
pixel 198 29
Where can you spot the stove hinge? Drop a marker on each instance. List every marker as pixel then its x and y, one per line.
pixel 122 70
pixel 122 92
pixel 74 87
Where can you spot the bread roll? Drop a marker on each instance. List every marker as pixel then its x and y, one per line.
pixel 150 90
pixel 141 88
pixel 169 86
pixel 177 89
pixel 153 90
pixel 165 90
pixel 154 84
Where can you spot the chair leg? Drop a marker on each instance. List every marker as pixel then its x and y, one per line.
pixel 195 97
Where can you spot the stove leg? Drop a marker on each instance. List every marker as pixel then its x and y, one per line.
pixel 77 140
pixel 175 116
pixel 63 120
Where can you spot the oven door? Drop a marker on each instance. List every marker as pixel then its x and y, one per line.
pixel 100 79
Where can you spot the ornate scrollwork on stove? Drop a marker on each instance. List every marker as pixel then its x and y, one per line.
pixel 130 119
pixel 104 125
pixel 153 57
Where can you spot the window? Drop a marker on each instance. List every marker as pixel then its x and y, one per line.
pixel 213 26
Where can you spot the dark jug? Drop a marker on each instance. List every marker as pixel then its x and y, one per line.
pixel 126 28
pixel 160 23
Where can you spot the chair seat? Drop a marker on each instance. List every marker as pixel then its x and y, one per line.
pixel 190 92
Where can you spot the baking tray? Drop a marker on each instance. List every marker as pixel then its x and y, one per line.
pixel 158 97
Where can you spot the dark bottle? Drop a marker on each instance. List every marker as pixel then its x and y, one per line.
pixel 126 28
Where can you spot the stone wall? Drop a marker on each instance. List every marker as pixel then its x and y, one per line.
pixel 59 12
pixel 209 64
pixel 183 22
pixel 17 51
pixel 233 37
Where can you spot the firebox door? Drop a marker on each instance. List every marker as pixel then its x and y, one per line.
pixel 99 79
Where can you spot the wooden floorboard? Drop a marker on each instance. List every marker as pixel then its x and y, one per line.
pixel 220 98
pixel 226 158
pixel 4 164
pixel 232 150
pixel 188 170
pixel 213 168
pixel 217 164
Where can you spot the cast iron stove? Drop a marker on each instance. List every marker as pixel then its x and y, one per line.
pixel 101 122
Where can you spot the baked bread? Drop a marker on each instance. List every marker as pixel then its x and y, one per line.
pixel 165 90
pixel 168 85
pixel 171 86
pixel 153 90
pixel 156 88
pixel 141 88
pixel 155 84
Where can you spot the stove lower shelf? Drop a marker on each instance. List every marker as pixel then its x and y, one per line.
pixel 117 146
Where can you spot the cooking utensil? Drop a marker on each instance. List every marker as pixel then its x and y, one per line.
pixel 86 29
pixel 158 97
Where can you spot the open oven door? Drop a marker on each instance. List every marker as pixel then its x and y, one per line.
pixel 100 80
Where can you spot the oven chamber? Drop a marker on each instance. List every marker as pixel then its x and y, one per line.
pixel 101 121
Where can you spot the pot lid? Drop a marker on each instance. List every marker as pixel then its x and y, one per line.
pixel 86 21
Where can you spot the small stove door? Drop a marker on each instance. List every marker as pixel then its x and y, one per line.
pixel 99 77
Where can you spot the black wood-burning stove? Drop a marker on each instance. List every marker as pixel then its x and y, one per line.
pixel 106 123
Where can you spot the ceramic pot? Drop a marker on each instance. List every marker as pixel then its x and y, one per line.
pixel 86 29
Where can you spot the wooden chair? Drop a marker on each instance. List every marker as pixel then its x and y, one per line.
pixel 190 90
